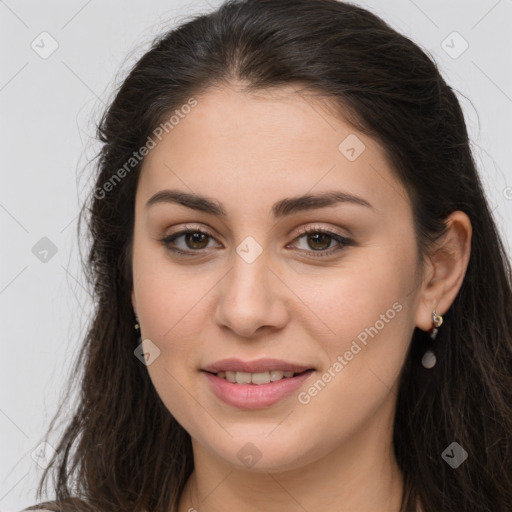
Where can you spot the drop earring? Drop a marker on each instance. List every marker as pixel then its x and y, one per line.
pixel 429 358
pixel 137 328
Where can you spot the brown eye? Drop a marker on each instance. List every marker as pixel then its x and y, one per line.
pixel 194 240
pixel 320 239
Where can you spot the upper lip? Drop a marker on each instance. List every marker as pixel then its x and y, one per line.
pixel 256 366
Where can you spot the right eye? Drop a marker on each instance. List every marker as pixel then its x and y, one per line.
pixel 195 240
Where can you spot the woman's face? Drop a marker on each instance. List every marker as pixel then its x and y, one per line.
pixel 256 286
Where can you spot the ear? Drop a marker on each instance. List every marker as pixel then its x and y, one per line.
pixel 445 268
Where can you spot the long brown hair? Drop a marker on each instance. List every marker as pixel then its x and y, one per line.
pixel 122 449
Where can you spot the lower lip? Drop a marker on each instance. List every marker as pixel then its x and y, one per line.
pixel 255 396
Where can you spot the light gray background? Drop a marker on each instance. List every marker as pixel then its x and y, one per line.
pixel 48 108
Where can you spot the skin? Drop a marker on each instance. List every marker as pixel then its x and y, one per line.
pixel 248 151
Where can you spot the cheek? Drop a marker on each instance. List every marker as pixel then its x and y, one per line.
pixel 171 305
pixel 364 356
pixel 171 315
pixel 369 311
pixel 169 296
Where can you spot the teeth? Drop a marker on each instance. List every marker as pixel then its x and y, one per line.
pixel 243 378
pixel 276 375
pixel 254 378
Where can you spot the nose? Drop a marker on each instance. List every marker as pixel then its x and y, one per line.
pixel 253 298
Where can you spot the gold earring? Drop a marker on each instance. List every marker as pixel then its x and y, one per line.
pixel 437 319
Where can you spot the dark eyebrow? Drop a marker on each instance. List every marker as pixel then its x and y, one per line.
pixel 282 208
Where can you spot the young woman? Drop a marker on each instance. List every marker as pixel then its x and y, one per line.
pixel 303 302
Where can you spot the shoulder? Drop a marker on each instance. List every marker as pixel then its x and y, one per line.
pixel 68 505
pixel 37 509
pixel 40 508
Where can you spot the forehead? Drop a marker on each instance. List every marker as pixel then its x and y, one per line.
pixel 270 143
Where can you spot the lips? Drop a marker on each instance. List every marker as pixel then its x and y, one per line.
pixel 257 366
pixel 257 384
pixel 255 396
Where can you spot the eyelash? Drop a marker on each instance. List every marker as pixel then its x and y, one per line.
pixel 166 241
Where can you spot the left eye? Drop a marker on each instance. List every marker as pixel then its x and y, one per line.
pixel 196 240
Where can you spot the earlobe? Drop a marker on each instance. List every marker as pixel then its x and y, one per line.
pixel 448 262
pixel 425 312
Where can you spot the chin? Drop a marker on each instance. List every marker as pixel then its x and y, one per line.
pixel 266 454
